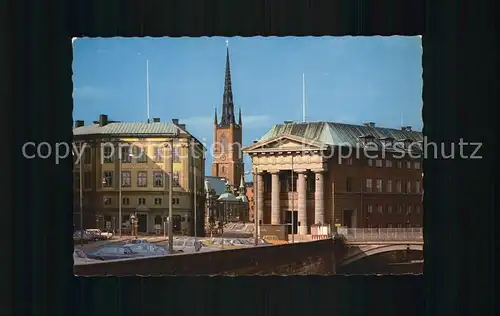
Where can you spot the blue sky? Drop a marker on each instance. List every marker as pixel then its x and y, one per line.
pixel 348 79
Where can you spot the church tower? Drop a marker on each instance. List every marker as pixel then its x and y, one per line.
pixel 228 136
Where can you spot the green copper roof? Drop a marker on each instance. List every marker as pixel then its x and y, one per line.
pixel 128 128
pixel 331 133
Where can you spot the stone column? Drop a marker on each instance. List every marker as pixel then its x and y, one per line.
pixel 302 198
pixel 275 198
pixel 319 198
pixel 260 196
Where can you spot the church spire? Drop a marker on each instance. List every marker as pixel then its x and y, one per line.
pixel 239 118
pixel 227 100
pixel 215 117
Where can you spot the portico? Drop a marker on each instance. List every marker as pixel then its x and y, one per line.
pixel 274 163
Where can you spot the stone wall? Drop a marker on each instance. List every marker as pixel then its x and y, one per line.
pixel 301 258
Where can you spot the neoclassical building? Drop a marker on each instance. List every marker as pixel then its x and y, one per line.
pixel 306 168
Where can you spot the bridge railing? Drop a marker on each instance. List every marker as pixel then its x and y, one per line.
pixel 382 234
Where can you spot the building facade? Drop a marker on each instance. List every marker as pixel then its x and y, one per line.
pixel 228 134
pixel 127 166
pixel 338 174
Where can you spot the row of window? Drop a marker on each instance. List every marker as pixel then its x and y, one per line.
pixel 400 209
pixel 140 201
pixel 388 163
pixel 142 178
pixel 389 225
pixel 139 154
pixel 400 186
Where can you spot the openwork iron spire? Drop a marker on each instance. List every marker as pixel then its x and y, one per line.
pixel 227 100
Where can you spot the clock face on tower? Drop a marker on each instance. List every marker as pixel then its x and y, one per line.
pixel 222 157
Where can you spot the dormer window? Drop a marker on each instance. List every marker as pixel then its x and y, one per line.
pixel 368 140
pixel 405 142
pixel 387 141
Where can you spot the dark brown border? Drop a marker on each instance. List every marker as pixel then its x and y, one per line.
pixel 460 196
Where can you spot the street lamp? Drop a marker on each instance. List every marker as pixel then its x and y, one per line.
pixel 256 209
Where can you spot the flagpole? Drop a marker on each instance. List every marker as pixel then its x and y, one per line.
pixel 303 97
pixel 147 87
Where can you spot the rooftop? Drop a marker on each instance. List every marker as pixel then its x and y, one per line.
pixel 340 134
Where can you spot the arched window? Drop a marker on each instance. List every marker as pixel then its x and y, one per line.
pixel 223 143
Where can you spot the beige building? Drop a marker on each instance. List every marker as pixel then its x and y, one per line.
pixel 112 154
pixel 378 185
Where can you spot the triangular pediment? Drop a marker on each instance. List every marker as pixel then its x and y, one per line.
pixel 285 142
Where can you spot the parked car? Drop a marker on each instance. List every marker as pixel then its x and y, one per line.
pixel 86 236
pixel 112 253
pixel 79 256
pixel 104 235
pixel 147 249
pixel 187 245
pixel 274 240
pixel 95 235
pixel 138 241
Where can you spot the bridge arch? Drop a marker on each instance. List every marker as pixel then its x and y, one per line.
pixel 380 249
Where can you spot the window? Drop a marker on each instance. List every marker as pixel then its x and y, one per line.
pixel 370 162
pixel 158 178
pixel 388 163
pixel 158 201
pixel 126 154
pixel 107 181
pixel 417 209
pixel 389 225
pixel 368 185
pixel 369 208
pixel 379 185
pixel 87 156
pixel 398 186
pixel 400 226
pixel 175 200
pixel 379 163
pixel 400 164
pixel 141 201
pixel 223 143
pixel 175 178
pixel 86 179
pixel 416 165
pixel 108 151
pixel 408 164
pixel 400 208
pixel 158 154
pixel 176 154
pixel 408 210
pixel 107 200
pixel 408 187
pixel 76 179
pixel 380 208
pixel 389 186
pixel 141 154
pixel 389 209
pixel 125 201
pixel 417 186
pixel 348 185
pixel 126 178
pixel 142 179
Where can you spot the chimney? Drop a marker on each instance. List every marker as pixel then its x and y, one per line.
pixel 156 119
pixel 175 121
pixel 369 124
pixel 182 126
pixel 406 128
pixel 103 120
pixel 79 123
pixel 255 141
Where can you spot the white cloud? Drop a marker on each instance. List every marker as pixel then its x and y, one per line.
pixel 88 92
